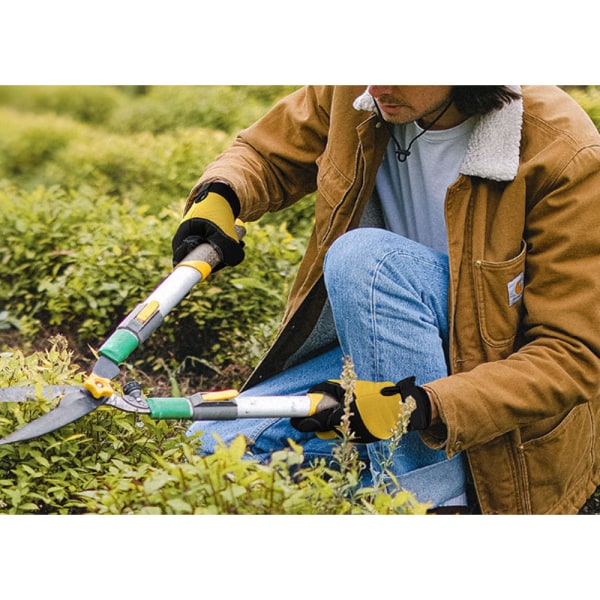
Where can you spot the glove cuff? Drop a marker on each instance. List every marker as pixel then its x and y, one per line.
pixel 420 418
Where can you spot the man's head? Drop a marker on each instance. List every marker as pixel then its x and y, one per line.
pixel 424 103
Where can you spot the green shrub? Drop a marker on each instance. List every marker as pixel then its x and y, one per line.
pixel 47 474
pixel 111 462
pixel 28 142
pixel 152 109
pixel 51 150
pixel 168 108
pixel 226 482
pixel 79 262
pixel 153 170
pixel 88 104
pixel 65 256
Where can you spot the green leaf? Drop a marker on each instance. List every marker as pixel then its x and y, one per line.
pixel 179 506
pixel 156 482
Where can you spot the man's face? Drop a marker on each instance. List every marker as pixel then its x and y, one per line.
pixel 401 104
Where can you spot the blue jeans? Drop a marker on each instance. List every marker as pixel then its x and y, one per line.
pixel 389 300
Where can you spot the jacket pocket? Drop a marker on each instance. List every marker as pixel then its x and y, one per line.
pixel 499 291
pixel 558 462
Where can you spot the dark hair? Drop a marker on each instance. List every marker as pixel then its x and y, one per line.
pixel 481 99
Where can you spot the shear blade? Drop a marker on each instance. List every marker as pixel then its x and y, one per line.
pixel 73 406
pixel 31 392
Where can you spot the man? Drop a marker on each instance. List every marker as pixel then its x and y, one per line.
pixel 454 259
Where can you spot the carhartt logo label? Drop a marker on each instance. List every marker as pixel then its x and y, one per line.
pixel 515 289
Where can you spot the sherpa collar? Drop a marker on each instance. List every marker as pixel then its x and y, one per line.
pixel 493 149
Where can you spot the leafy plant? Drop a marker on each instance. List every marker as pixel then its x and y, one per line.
pixel 111 462
pixel 30 141
pixel 63 255
pixel 169 108
pixel 85 103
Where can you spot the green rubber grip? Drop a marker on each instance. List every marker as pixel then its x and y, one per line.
pixel 119 345
pixel 170 408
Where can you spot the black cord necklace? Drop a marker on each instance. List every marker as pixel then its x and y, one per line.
pixel 401 153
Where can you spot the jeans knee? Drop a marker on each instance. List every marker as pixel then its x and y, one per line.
pixel 348 245
pixel 349 252
pixel 357 251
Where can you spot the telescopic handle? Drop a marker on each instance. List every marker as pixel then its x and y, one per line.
pixel 146 317
pixel 200 407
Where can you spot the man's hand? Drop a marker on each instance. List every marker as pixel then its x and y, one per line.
pixel 211 218
pixel 376 409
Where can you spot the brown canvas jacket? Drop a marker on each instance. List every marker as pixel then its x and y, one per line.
pixel 523 221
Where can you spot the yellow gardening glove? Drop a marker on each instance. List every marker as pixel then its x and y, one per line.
pixel 375 408
pixel 211 218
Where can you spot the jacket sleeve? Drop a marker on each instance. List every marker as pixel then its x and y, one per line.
pixel 273 163
pixel 557 366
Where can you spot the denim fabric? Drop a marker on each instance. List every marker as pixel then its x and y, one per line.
pixel 389 301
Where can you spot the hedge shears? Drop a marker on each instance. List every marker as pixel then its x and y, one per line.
pixel 97 389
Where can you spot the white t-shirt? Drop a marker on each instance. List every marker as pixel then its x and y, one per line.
pixel 413 193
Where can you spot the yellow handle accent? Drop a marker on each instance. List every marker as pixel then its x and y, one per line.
pixel 219 395
pixel 320 402
pixel 147 312
pixel 201 266
pixel 99 387
pixel 315 399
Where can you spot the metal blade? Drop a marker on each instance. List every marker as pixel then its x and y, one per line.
pixel 21 393
pixel 72 407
